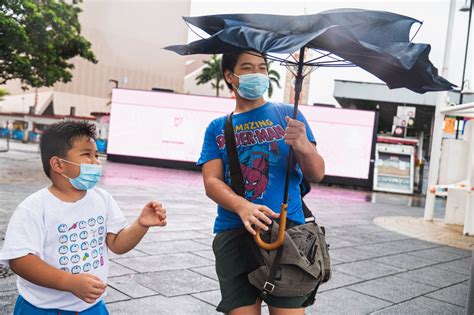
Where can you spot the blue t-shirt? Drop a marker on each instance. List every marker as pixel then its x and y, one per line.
pixel 263 156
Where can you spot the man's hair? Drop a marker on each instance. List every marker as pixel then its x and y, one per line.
pixel 59 138
pixel 229 61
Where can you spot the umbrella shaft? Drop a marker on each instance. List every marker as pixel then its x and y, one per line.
pixel 298 86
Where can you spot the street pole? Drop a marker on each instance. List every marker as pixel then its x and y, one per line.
pixel 436 139
pixel 461 97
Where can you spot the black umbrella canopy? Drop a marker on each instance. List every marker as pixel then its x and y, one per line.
pixel 375 41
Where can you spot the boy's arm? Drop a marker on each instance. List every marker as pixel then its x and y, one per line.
pixel 127 238
pixel 153 214
pixel 310 161
pixel 85 286
pixel 251 214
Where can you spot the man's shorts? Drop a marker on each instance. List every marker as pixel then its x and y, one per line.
pixel 23 307
pixel 233 264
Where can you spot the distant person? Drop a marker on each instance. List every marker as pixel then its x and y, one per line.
pixel 264 132
pixel 58 238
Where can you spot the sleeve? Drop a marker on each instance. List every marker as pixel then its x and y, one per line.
pixel 210 148
pixel 115 221
pixel 25 235
pixel 309 132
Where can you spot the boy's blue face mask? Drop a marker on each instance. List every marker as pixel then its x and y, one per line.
pixel 252 86
pixel 88 177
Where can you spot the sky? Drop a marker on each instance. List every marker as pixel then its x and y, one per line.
pixel 433 14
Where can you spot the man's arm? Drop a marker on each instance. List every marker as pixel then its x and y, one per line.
pixel 85 286
pixel 216 189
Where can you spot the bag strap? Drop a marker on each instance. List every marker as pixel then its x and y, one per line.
pixel 237 181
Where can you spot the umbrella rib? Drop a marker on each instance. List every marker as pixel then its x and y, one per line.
pixel 419 27
pixel 192 30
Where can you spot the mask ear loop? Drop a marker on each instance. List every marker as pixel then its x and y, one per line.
pixel 62 174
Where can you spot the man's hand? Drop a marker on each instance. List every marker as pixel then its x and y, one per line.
pixel 153 214
pixel 87 287
pixel 256 216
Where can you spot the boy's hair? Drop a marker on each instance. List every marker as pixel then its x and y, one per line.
pixel 229 61
pixel 59 138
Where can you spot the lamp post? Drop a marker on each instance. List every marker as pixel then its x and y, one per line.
pixel 465 8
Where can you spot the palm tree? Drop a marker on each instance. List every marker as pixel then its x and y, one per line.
pixel 212 72
pixel 274 78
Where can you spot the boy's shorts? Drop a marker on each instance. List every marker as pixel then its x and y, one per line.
pixel 233 264
pixel 23 307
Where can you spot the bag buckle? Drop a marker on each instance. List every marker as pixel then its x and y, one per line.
pixel 268 287
pixel 310 219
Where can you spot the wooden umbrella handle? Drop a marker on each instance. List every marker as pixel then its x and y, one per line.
pixel 281 232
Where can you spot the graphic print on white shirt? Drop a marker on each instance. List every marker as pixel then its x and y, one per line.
pixel 79 245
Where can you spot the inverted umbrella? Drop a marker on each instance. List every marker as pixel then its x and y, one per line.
pixel 375 41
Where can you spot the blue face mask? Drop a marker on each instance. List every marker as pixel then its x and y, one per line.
pixel 88 177
pixel 252 86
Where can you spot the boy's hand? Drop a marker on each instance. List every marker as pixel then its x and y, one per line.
pixel 87 287
pixel 153 214
pixel 295 135
pixel 253 215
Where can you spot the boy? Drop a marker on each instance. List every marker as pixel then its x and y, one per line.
pixel 58 238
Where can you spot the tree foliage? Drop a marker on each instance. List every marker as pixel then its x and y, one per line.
pixel 3 93
pixel 212 73
pixel 37 40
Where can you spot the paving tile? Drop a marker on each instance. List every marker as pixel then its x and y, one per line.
pixel 462 266
pixel 423 305
pixel 211 297
pixel 132 253
pixel 456 294
pixel 7 301
pixel 113 295
pixel 396 247
pixel 208 271
pixel 441 254
pixel 164 236
pixel 119 270
pixel 392 289
pixel 206 241
pixel 434 277
pixel 176 282
pixel 9 282
pixel 405 261
pixel 338 279
pixel 161 305
pixel 368 269
pixel 128 285
pixel 208 254
pixel 351 254
pixel 164 262
pixel 170 247
pixel 344 301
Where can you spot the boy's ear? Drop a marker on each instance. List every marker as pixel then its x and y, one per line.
pixel 228 76
pixel 56 164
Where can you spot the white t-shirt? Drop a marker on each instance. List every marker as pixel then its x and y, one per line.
pixel 66 235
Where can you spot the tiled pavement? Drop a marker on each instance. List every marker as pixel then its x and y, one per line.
pixel 172 270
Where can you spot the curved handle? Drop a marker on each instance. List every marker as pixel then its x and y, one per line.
pixel 281 232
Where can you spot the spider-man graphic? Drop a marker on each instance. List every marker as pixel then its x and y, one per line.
pixel 255 170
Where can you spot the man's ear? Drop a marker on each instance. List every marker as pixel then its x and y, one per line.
pixel 56 164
